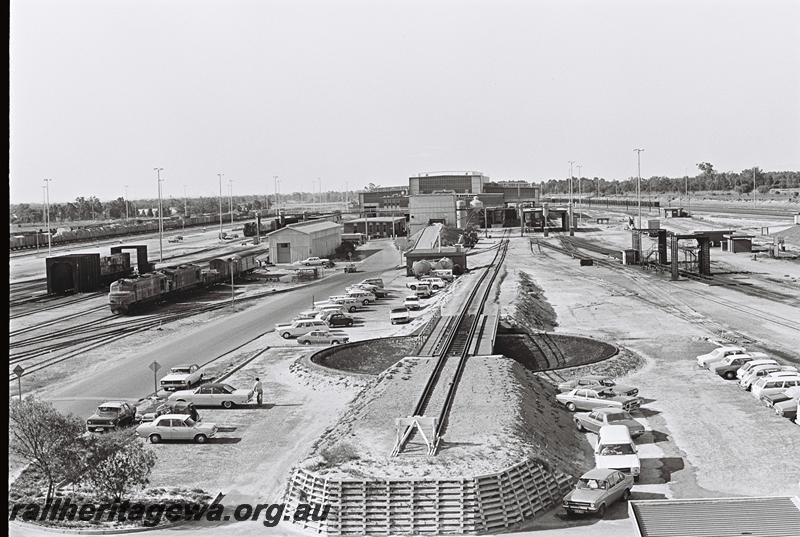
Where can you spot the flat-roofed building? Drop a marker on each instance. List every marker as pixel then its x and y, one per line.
pixel 463 182
pixel 380 226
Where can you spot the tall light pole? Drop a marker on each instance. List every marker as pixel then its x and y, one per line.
pixel 639 183
pixel 47 212
pixel 220 205
pixel 277 203
pixel 160 218
pixel 185 208
pixel 126 202
pixel 571 218
pixel 230 200
pixel 580 195
pixel 754 186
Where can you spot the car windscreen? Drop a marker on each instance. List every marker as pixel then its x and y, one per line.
pixel 228 388
pixel 621 416
pixel 107 409
pixel 616 449
pixel 593 484
pixel 189 422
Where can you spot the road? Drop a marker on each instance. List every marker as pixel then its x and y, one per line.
pixel 130 378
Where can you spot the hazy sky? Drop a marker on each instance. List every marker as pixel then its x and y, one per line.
pixel 102 91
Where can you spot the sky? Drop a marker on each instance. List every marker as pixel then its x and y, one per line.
pixel 358 92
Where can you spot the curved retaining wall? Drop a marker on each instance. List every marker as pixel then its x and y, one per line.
pixel 367 357
pixel 470 505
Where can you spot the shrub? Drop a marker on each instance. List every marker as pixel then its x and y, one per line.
pixel 339 454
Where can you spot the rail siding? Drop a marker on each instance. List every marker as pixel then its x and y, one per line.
pixel 471 505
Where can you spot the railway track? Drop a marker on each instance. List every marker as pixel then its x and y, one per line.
pixel 453 350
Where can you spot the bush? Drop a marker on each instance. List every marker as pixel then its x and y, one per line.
pixel 342 251
pixel 339 454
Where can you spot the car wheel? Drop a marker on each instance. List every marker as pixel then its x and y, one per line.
pixel 601 511
pixel 155 438
pixel 393 322
pixel 350 323
pixel 286 335
pixel 435 287
pixel 201 439
pixel 227 404
pixel 579 425
pixel 335 342
pixel 627 494
pixel 571 406
pixel 730 375
pixel 365 302
pixel 413 287
pixel 352 309
pixel 570 512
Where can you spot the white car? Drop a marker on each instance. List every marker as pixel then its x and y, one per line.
pixel 746 368
pixel 322 337
pixel 350 302
pixel 315 261
pixel 365 297
pixel 615 450
pixel 718 354
pixel 775 383
pixel 758 372
pixel 214 394
pixel 399 315
pixel 321 307
pixel 176 427
pixel 182 377
pixel 435 283
pixel 298 328
pixel 412 302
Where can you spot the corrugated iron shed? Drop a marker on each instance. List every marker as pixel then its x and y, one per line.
pixel 717 517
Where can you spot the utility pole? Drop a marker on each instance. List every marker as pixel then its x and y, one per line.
pixel 580 195
pixel 185 208
pixel 49 234
pixel 754 186
pixel 220 205
pixel 126 202
pixel 277 203
pixel 571 218
pixel 639 183
pixel 160 218
pixel 230 200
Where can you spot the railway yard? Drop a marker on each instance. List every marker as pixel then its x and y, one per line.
pixel 430 413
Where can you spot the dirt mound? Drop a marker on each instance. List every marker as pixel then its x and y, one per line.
pixel 532 309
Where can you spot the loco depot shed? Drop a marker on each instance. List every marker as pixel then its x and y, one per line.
pixel 296 242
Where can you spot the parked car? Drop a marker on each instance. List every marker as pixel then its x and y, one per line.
pixel 399 315
pixel 379 292
pixel 615 450
pixel 759 372
pixel 788 409
pixel 315 262
pixel 378 282
pixel 181 377
pixel 774 398
pixel 423 291
pixel 305 315
pixel 594 420
pixel 214 394
pixel 176 427
pixel 365 297
pixel 350 302
pixel 719 354
pixel 434 282
pixel 587 381
pixel 412 302
pixel 298 328
pixel 336 320
pixel 322 337
pixel 596 490
pixel 171 407
pixel 775 383
pixel 730 365
pixel 445 274
pixel 747 367
pixel 111 415
pixel 322 307
pixel 592 398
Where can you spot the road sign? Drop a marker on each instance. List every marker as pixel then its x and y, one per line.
pixel 155 366
pixel 19 370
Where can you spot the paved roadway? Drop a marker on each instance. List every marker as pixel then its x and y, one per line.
pixel 131 379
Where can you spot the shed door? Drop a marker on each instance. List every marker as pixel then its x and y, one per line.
pixel 284 252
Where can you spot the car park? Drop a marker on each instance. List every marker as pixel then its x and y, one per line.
pixel 171 407
pixel 322 337
pixel 596 490
pixel 759 372
pixel 181 377
pixel 592 398
pixel 298 328
pixel 747 367
pixel 719 354
pixel 412 302
pixel 399 315
pixel 214 394
pixel 594 420
pixel 788 409
pixel 615 450
pixel 176 427
pixel 587 381
pixel 110 416
pixel 350 302
pixel 336 320
pixel 775 383
pixel 730 365
pixel 774 398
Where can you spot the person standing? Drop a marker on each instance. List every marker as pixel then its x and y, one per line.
pixel 259 390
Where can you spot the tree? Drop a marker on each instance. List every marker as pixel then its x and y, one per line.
pixel 45 438
pixel 117 466
pixel 707 168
